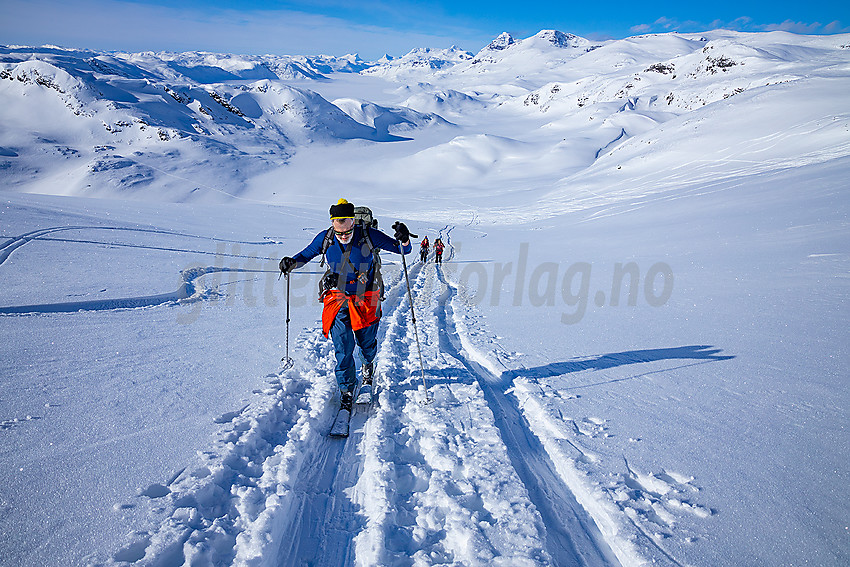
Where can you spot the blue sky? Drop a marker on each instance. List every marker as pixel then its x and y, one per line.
pixel 374 27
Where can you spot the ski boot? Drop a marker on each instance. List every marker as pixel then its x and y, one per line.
pixel 367 370
pixel 346 401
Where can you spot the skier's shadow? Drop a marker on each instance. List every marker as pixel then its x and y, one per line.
pixel 700 353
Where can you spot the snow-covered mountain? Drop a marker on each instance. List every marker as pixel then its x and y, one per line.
pixel 420 62
pixel 510 60
pixel 635 349
pixel 684 74
pixel 128 123
pixel 117 114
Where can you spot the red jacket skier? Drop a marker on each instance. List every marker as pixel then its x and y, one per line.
pixel 438 251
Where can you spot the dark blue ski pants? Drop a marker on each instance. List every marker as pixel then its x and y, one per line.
pixel 344 340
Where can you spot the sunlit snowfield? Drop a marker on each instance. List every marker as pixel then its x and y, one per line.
pixel 636 347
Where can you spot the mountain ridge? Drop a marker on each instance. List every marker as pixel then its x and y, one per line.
pixel 250 114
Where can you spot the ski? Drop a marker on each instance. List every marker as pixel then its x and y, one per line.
pixel 364 396
pixel 343 416
pixel 340 426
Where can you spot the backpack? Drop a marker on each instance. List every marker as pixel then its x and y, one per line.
pixel 363 217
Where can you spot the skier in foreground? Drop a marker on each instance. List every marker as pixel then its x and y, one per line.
pixel 349 291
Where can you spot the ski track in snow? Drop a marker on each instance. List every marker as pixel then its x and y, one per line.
pixel 185 293
pixel 15 242
pixel 415 483
pixel 506 465
pixel 565 521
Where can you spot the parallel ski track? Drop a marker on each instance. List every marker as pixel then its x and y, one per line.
pixel 571 536
pixel 183 292
pixel 326 519
pixel 15 242
pixel 332 516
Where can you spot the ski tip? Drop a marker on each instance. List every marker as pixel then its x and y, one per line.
pixel 364 397
pixel 340 426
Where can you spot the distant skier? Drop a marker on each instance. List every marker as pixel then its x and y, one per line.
pixel 423 250
pixel 349 291
pixel 438 251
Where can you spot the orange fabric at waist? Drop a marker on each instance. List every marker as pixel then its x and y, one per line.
pixel 362 310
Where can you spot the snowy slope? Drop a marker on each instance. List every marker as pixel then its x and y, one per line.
pixel 635 350
pixel 187 126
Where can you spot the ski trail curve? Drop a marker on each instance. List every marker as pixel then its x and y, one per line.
pixel 185 293
pixel 15 242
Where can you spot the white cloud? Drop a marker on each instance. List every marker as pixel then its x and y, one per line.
pixel 835 27
pixel 666 23
pixel 740 22
pixel 795 27
pixel 743 23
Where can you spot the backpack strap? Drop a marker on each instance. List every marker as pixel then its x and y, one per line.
pixel 377 278
pixel 346 255
pixel 326 243
pixel 367 237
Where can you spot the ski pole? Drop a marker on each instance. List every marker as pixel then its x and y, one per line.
pixel 413 315
pixel 287 361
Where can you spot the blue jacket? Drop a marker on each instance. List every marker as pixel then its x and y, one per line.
pixel 359 271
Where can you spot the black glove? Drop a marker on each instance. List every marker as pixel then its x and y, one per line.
pixel 287 264
pixel 401 232
pixel 329 281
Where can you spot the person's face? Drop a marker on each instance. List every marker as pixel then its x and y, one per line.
pixel 344 230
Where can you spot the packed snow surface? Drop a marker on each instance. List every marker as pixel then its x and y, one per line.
pixel 635 350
